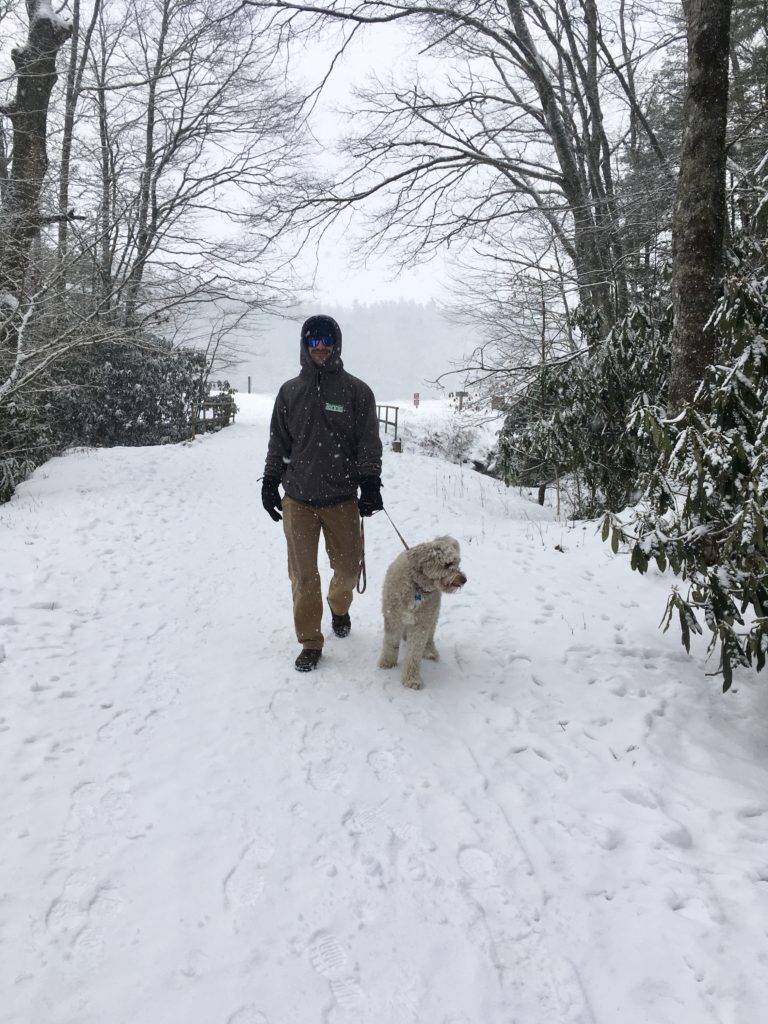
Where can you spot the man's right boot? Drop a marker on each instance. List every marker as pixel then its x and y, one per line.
pixel 308 660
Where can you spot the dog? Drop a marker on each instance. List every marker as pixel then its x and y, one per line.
pixel 413 586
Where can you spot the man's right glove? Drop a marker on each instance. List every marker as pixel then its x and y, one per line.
pixel 370 495
pixel 270 497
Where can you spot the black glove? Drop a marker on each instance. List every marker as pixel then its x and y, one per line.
pixel 270 497
pixel 370 496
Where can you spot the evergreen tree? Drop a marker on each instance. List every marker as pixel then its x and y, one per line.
pixel 705 508
pixel 571 422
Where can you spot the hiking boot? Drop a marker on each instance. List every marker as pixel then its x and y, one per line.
pixel 341 624
pixel 307 660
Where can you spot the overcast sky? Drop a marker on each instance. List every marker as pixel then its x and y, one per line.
pixel 337 277
pixel 399 348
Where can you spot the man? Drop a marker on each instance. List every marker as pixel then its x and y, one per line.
pixel 323 443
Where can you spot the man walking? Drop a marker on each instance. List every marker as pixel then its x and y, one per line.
pixel 323 443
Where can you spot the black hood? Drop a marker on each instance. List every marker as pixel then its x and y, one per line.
pixel 321 324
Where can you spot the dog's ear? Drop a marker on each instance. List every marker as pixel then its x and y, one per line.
pixel 448 548
pixel 434 559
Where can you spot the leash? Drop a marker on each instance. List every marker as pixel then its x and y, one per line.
pixel 407 548
pixel 362 578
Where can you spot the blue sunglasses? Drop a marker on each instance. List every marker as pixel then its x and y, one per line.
pixel 315 341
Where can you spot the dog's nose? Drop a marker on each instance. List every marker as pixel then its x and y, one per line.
pixel 459 579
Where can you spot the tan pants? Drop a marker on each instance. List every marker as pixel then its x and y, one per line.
pixel 340 526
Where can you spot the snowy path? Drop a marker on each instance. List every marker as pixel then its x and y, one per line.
pixel 569 825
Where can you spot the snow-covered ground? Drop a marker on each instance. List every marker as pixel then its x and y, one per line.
pixel 568 825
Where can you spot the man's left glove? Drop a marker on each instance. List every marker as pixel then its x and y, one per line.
pixel 270 497
pixel 370 496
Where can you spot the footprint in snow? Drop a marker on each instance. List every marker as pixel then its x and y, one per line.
pixel 694 908
pixel 640 797
pixel 82 915
pixel 89 943
pixel 347 994
pixel 587 650
pixel 362 821
pixel 514 656
pixel 82 807
pixel 245 882
pixel 326 774
pixel 326 866
pixel 122 725
pixel 92 809
pixel 247 1015
pixel 476 863
pixel 678 836
pixel 750 811
pixel 327 956
pixel 382 762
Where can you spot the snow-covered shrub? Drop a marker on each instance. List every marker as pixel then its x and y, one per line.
pixel 26 441
pixel 453 440
pixel 705 507
pixel 571 420
pixel 130 395
pixel 112 393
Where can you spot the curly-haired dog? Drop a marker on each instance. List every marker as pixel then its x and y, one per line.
pixel 413 586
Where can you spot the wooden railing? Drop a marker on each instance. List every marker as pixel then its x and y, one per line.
pixel 216 412
pixel 387 416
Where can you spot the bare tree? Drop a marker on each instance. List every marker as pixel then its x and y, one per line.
pixel 190 128
pixel 20 216
pixel 78 57
pixel 506 126
pixel 517 299
pixel 176 129
pixel 748 119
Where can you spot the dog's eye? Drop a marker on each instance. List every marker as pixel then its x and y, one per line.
pixel 448 565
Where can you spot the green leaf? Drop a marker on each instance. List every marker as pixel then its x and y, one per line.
pixel 727 672
pixel 684 630
pixel 606 528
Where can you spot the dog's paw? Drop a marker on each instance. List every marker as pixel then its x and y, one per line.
pixel 432 654
pixel 413 684
pixel 387 661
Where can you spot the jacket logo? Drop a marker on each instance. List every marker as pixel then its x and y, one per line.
pixel 333 407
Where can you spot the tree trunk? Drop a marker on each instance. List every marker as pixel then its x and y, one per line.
pixel 106 218
pixel 35 64
pixel 3 162
pixel 145 229
pixel 590 266
pixel 75 71
pixel 698 227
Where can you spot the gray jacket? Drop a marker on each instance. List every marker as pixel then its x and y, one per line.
pixel 324 434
